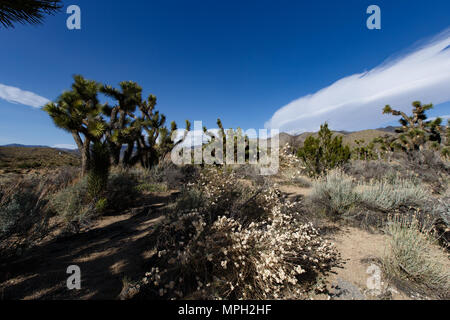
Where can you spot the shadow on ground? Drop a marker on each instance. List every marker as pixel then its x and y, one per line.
pixel 117 247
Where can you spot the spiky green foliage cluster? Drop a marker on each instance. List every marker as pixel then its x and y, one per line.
pixel 324 152
pixel 26 11
pixel 415 132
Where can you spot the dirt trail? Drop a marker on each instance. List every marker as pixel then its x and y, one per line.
pixel 361 252
pixel 115 248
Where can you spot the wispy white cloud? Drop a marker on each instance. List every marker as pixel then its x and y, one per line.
pixel 16 95
pixel 445 117
pixel 355 102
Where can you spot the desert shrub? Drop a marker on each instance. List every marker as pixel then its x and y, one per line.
pixel 392 193
pixel 324 152
pixel 367 171
pixel 413 257
pixel 226 239
pixel 224 193
pixel 339 196
pixel 122 191
pixel 24 208
pixel 429 166
pixel 165 173
pixel 74 204
pixel 16 209
pixel 424 165
pixel 223 259
pixel 440 212
pixel 295 177
pixel 334 194
pixel 190 199
pixel 152 187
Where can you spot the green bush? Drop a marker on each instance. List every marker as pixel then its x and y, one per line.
pixel 323 153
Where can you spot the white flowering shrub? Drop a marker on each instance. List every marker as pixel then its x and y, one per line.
pixel 204 254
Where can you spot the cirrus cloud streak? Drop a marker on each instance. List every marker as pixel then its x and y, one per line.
pixel 355 102
pixel 17 95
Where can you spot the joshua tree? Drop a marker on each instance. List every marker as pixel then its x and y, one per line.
pixel 415 131
pixel 146 137
pixel 26 11
pixel 121 129
pixel 154 140
pixel 79 112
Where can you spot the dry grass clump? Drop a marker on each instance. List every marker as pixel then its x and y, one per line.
pixel 24 207
pixel 219 251
pixel 413 257
pixel 78 208
pixel 165 175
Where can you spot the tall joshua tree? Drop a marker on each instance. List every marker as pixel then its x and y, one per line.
pixel 79 112
pixel 26 11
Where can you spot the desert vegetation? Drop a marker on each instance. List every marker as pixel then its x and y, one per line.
pixel 216 231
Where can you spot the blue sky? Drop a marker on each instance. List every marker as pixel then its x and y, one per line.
pixel 251 63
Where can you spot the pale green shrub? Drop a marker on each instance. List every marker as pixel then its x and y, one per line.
pixel 334 194
pixel 388 195
pixel 413 256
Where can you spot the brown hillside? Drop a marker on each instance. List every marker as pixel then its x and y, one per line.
pixel 24 158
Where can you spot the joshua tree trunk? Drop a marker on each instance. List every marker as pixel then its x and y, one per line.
pixel 83 148
pixel 85 157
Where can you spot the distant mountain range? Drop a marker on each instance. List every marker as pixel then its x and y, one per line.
pixel 293 139
pixel 16 145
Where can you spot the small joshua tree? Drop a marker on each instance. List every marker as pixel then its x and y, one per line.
pixel 416 132
pixel 324 152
